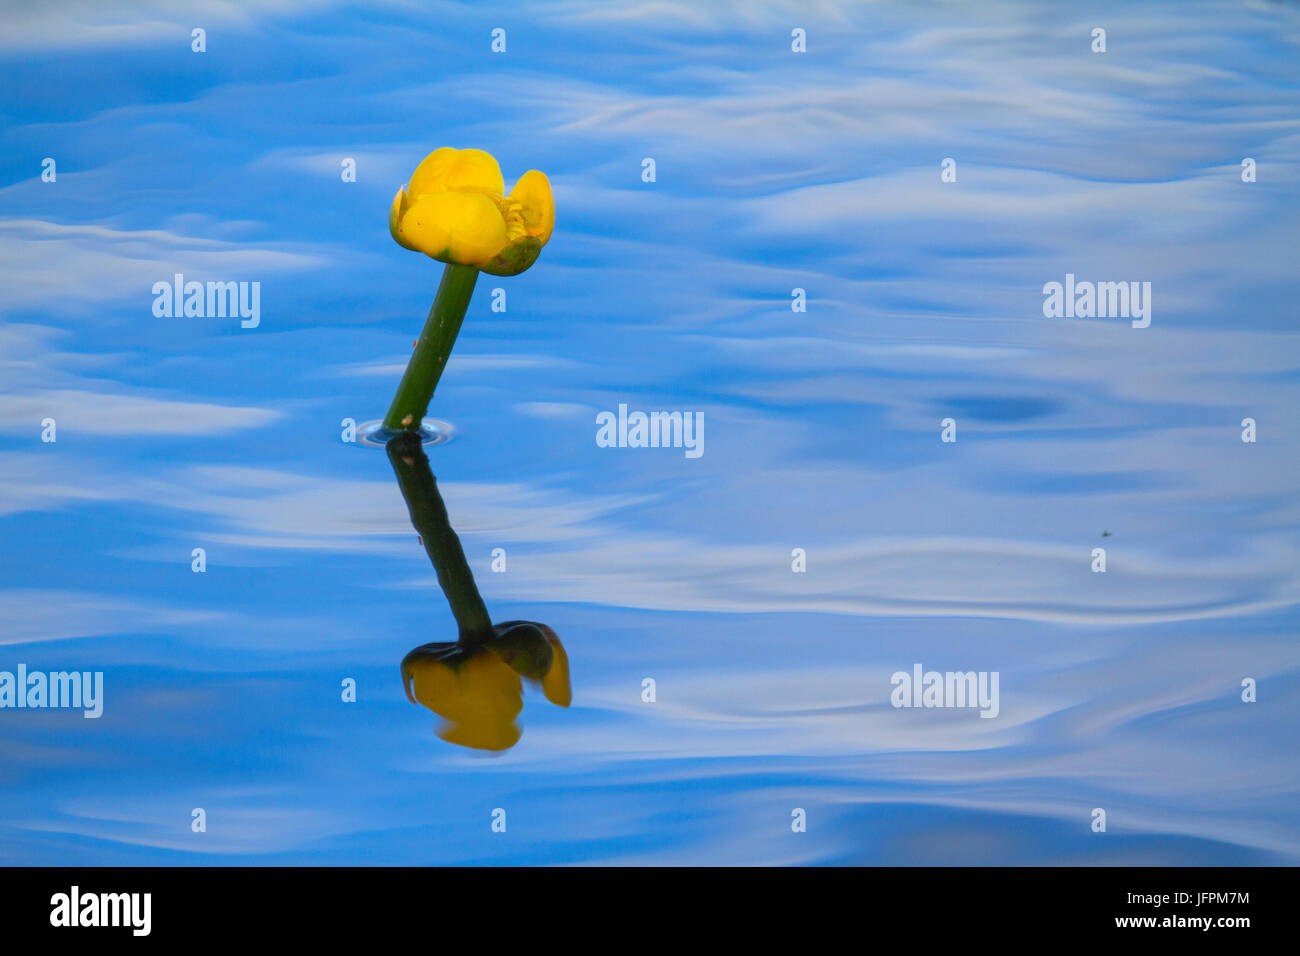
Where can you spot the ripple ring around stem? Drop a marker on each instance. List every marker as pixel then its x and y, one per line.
pixel 433 431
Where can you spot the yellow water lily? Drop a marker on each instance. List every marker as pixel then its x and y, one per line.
pixel 454 209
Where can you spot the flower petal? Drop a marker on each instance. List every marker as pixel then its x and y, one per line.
pixel 465 228
pixel 395 212
pixel 514 258
pixel 449 169
pixel 533 193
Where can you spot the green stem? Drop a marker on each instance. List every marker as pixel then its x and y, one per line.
pixel 432 349
pixel 429 516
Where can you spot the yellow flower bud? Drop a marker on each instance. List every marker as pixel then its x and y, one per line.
pixel 454 210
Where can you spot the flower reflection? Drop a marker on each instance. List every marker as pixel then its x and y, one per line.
pixel 475 683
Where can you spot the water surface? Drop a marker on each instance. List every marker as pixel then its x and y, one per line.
pixel 775 171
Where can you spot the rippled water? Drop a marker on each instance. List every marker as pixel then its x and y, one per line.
pixel 775 171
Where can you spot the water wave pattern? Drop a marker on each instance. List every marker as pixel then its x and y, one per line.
pixel 775 171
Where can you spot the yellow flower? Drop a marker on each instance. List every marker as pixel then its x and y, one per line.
pixel 455 210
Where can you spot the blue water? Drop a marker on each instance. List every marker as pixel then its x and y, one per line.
pixel 775 171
